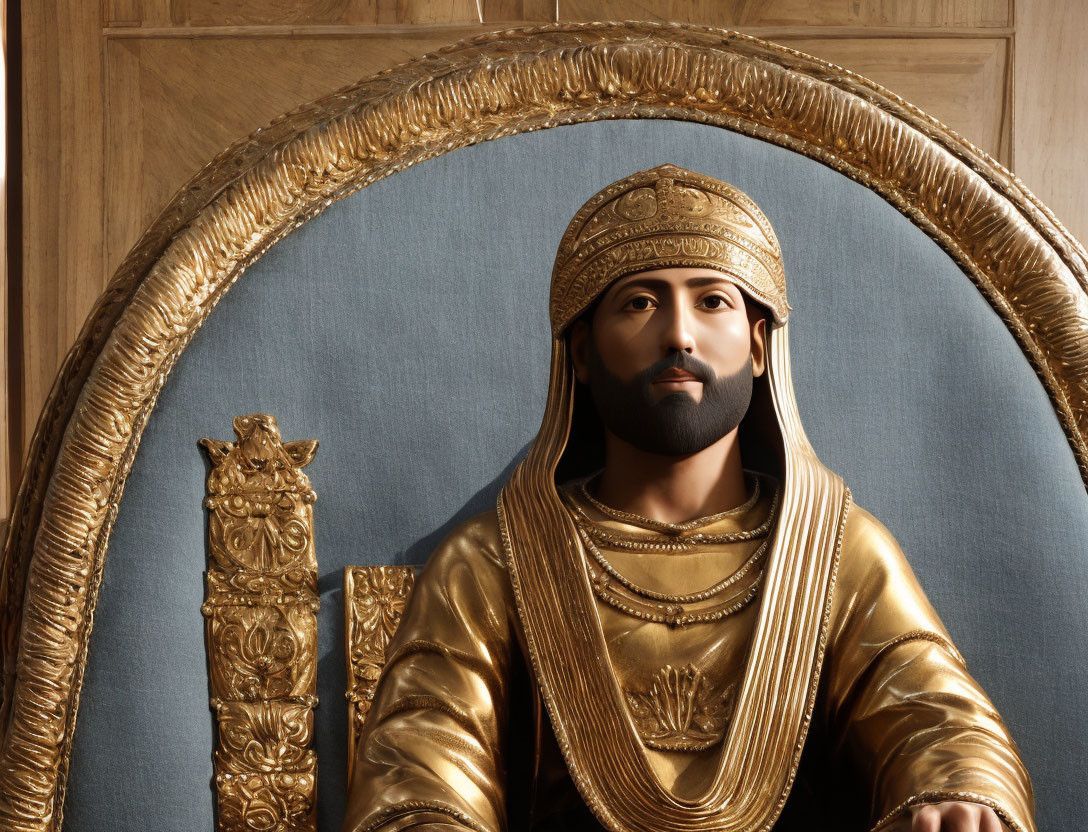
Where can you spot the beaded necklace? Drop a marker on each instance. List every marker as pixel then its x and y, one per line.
pixel 689 598
pixel 675 615
pixel 663 526
pixel 618 591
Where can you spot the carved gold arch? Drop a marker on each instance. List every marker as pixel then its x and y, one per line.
pixel 1022 260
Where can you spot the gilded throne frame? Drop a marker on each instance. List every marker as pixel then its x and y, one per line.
pixel 1030 270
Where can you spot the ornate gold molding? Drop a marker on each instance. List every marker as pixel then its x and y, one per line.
pixel 374 601
pixel 261 610
pixel 1026 265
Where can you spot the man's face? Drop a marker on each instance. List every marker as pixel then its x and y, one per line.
pixel 669 358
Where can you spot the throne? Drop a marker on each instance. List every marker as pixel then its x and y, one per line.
pixel 373 272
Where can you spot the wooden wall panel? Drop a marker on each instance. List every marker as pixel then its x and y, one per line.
pixel 10 256
pixel 63 196
pixel 807 13
pixel 1051 119
pixel 5 464
pixel 542 11
pixel 203 13
pixel 173 103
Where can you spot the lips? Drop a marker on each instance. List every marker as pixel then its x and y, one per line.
pixel 675 374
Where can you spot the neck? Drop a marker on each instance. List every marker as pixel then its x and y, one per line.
pixel 672 489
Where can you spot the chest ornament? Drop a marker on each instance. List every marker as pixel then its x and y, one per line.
pixel 680 710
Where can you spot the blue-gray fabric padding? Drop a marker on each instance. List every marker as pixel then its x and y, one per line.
pixel 406 329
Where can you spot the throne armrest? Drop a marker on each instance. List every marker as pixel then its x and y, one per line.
pixel 374 601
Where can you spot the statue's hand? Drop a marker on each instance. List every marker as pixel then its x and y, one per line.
pixel 953 816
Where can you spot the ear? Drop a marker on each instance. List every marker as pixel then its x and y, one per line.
pixel 759 346
pixel 580 333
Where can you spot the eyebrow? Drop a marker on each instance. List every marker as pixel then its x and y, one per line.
pixel 691 282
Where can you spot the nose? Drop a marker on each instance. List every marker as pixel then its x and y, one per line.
pixel 677 334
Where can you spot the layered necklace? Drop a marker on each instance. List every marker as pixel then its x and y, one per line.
pixel 727 596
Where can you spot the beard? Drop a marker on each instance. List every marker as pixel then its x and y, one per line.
pixel 676 425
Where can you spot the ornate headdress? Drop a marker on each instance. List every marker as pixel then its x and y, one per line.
pixel 654 219
pixel 666 217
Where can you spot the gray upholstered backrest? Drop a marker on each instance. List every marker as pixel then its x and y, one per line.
pixel 405 328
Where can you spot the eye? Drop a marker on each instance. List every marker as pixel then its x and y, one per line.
pixel 640 303
pixel 715 302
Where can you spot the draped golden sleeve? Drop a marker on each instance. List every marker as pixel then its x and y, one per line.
pixel 899 702
pixel 432 753
pixel 457 738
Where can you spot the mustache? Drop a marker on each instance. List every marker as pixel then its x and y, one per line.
pixel 681 361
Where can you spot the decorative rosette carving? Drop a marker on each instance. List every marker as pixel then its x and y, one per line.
pixel 262 652
pixel 262 628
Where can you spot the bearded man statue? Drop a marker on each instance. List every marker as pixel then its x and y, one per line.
pixel 675 618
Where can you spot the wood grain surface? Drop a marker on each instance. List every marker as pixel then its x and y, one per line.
pixel 1050 139
pixel 63 195
pixel 186 13
pixel 809 13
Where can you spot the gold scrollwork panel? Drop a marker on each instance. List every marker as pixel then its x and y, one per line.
pixel 260 610
pixel 265 769
pixel 374 601
pixel 1033 273
pixel 262 651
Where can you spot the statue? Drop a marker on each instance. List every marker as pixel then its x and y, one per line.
pixel 676 619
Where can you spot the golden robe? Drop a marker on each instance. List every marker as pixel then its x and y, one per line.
pixel 457 737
